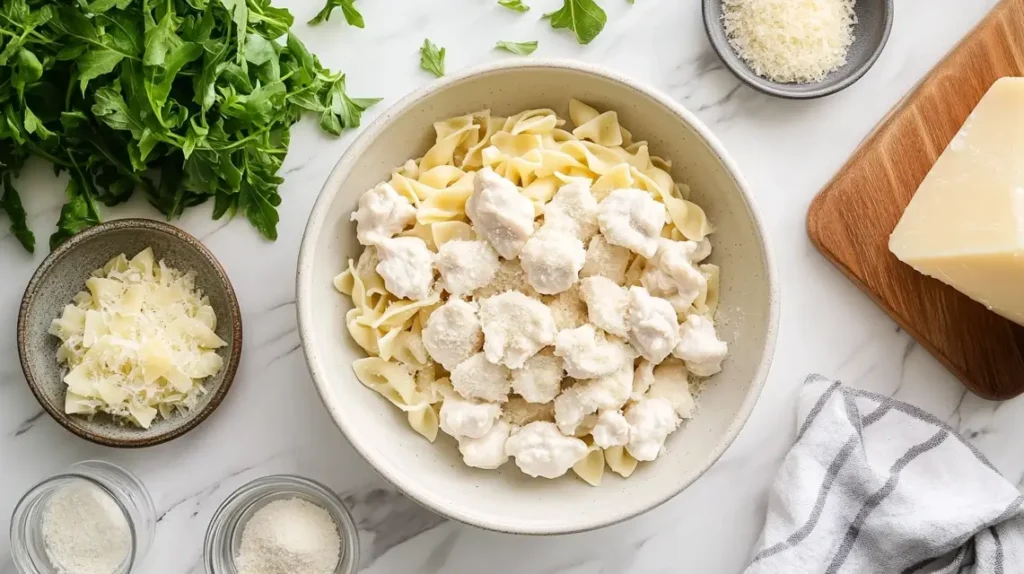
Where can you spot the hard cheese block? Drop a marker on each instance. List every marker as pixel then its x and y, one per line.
pixel 965 224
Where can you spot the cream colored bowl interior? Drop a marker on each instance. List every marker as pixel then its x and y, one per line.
pixel 433 474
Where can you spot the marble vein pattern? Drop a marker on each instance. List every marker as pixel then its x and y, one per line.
pixel 273 420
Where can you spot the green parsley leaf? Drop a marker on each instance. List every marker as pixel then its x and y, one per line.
pixel 432 58
pixel 77 214
pixel 11 203
pixel 584 17
pixel 521 48
pixel 348 8
pixel 95 63
pixel 28 69
pixel 34 125
pixel 259 50
pixel 183 101
pixel 516 5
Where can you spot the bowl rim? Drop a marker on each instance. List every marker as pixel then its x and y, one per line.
pixel 64 250
pixel 766 86
pixel 329 192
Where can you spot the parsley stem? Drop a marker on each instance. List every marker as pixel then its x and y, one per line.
pixel 32 31
pixel 45 154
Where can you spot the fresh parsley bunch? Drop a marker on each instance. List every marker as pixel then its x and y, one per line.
pixel 183 100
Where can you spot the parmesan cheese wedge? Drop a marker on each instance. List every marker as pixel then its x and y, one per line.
pixel 965 224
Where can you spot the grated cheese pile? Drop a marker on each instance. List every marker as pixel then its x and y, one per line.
pixel 790 41
pixel 137 342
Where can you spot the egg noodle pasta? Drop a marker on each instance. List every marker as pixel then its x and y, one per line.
pixel 531 185
pixel 620 461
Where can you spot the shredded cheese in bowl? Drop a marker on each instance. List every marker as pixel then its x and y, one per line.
pixel 137 342
pixel 790 41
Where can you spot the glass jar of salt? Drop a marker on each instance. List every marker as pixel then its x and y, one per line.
pixel 93 518
pixel 282 524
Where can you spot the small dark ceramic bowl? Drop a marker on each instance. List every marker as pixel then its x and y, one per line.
pixel 871 32
pixel 63 274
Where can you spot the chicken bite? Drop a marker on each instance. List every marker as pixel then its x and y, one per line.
pixel 487 451
pixel 611 429
pixel 552 261
pixel 407 267
pixel 573 210
pixel 699 346
pixel 472 419
pixel 589 354
pixel 606 304
pixel 500 214
pixel 633 219
pixel 671 274
pixel 609 392
pixel 650 423
pixel 540 379
pixel 382 213
pixel 453 333
pixel 515 328
pixel 540 450
pixel 653 330
pixel 478 378
pixel 466 266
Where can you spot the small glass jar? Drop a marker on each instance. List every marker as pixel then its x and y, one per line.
pixel 224 536
pixel 28 547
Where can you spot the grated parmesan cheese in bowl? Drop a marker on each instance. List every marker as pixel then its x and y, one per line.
pixel 138 342
pixel 790 41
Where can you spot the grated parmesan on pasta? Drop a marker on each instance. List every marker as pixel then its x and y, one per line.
pixel 560 256
pixel 787 41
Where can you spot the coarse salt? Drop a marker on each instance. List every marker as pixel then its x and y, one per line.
pixel 289 536
pixel 84 530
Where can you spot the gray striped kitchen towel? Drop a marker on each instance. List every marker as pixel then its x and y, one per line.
pixel 874 485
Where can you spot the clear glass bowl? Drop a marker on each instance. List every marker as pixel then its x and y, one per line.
pixel 28 549
pixel 224 536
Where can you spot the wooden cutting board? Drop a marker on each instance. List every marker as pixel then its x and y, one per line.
pixel 851 219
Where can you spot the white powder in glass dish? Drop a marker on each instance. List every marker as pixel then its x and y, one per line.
pixel 84 530
pixel 289 536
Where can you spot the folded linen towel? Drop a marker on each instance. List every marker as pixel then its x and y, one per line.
pixel 874 485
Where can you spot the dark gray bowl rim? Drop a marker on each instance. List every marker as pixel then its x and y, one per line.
pixel 777 89
pixel 66 249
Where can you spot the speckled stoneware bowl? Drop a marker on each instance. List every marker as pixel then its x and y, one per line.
pixel 874 21
pixel 63 274
pixel 507 500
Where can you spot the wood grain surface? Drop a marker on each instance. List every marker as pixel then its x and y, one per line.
pixel 851 219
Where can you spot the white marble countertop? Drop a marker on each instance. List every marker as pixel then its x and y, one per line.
pixel 273 421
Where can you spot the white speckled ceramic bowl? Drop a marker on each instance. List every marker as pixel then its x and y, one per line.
pixel 507 500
